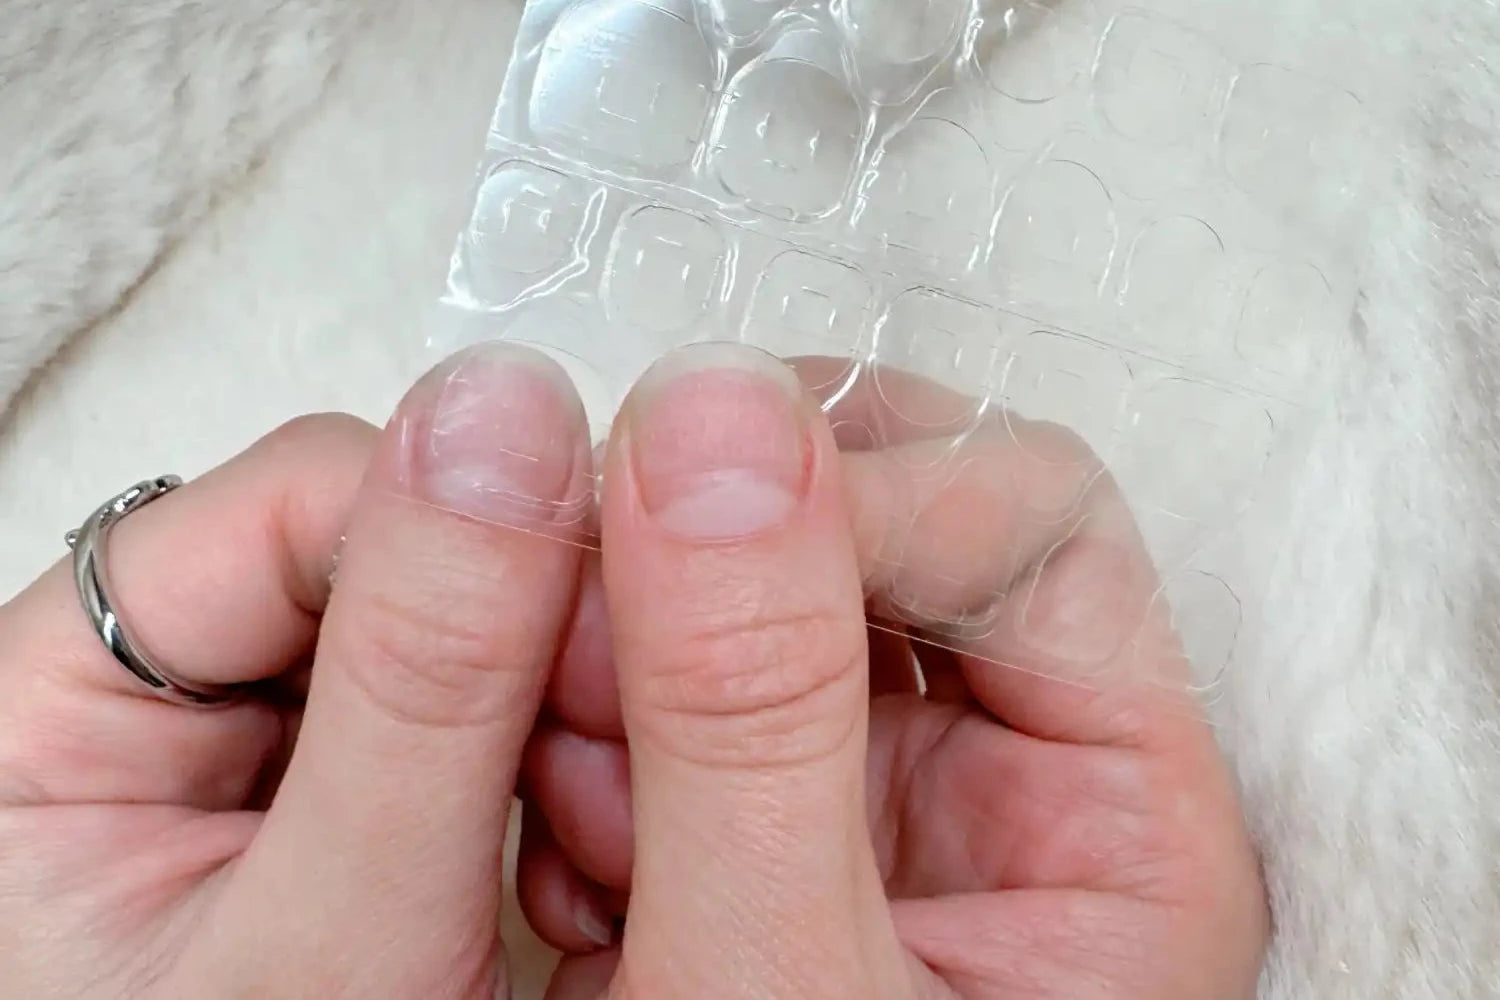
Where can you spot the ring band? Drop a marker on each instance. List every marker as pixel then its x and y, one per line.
pixel 90 572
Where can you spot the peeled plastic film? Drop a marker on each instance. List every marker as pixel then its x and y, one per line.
pixel 977 223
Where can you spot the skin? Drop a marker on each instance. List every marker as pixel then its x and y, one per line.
pixel 724 750
pixel 1059 826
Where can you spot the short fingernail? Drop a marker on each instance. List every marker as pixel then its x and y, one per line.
pixel 503 437
pixel 719 442
pixel 593 923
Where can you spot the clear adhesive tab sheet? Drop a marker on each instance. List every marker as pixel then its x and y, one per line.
pixel 975 222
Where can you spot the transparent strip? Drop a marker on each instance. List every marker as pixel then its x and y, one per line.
pixel 1069 280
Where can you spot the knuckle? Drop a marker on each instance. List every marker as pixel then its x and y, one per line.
pixel 1043 469
pixel 1045 439
pixel 1080 607
pixel 1031 480
pixel 772 687
pixel 318 433
pixel 433 660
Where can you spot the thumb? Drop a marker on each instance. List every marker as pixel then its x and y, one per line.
pixel 378 865
pixel 737 613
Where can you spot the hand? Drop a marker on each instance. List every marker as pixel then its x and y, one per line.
pixel 154 851
pixel 757 776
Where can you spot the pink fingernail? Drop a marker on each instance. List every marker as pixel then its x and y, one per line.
pixel 592 923
pixel 719 442
pixel 504 437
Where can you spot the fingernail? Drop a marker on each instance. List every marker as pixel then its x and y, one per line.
pixel 719 442
pixel 504 438
pixel 593 923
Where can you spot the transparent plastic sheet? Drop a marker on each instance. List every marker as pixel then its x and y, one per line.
pixel 971 220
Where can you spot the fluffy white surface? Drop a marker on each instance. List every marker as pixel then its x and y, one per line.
pixel 1365 726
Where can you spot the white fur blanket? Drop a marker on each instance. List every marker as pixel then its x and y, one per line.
pixel 201 183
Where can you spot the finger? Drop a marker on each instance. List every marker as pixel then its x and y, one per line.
pixel 739 631
pixel 585 977
pixel 1011 544
pixel 945 525
pixel 1090 613
pixel 959 483
pixel 583 692
pixel 878 406
pixel 957 803
pixel 223 580
pixel 950 576
pixel 454 588
pixel 1059 619
pixel 582 786
pixel 563 908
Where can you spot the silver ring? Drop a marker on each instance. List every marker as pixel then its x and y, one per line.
pixel 91 574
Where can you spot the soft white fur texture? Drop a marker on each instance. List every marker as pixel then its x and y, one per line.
pixel 121 122
pixel 1366 727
